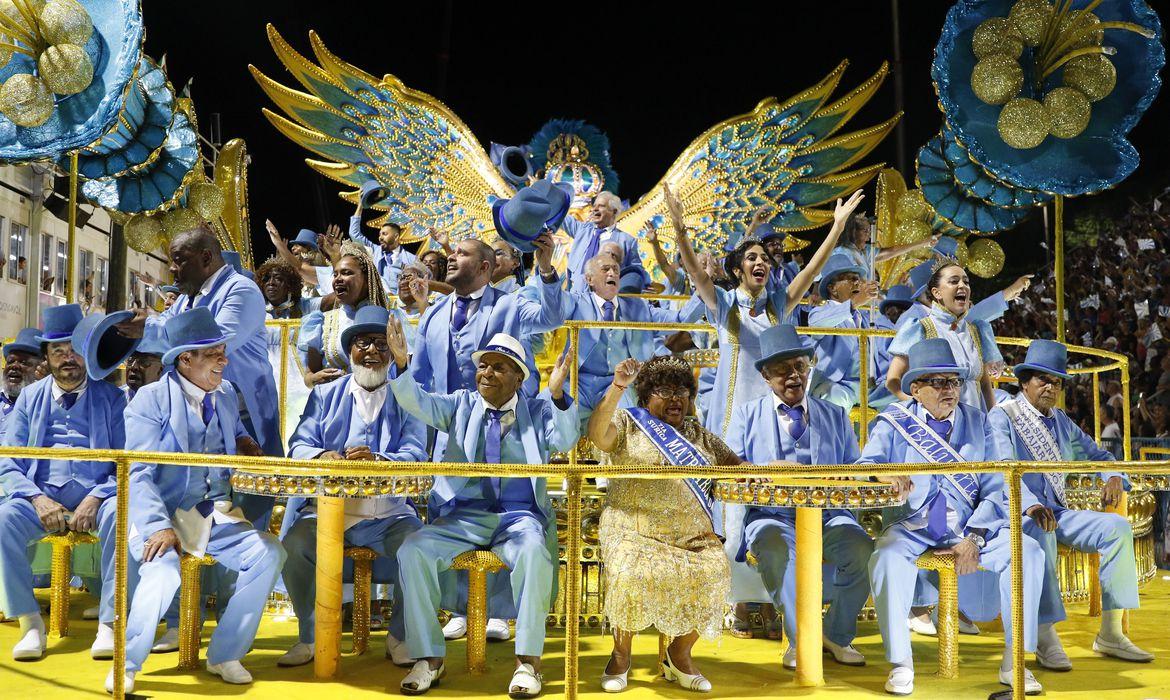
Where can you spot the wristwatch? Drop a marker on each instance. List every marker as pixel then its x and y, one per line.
pixel 976 540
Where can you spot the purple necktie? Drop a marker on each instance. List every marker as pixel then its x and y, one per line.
pixel 208 409
pixel 936 518
pixel 460 319
pixel 594 244
pixel 796 415
pixel 491 448
pixel 67 400
pixel 607 311
pixel 942 427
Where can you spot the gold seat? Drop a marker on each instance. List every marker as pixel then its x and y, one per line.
pixel 478 564
pixel 363 558
pixel 948 610
pixel 190 608
pixel 63 544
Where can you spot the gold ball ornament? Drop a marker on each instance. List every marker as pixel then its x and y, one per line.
pixel 144 233
pixel 912 205
pixel 985 258
pixel 207 199
pixel 1093 75
pixel 961 252
pixel 65 22
pixel 1070 111
pixel 1031 18
pixel 180 220
pixel 997 79
pixel 1084 28
pixel 1023 123
pixel 911 231
pixel 996 36
pixel 25 100
pixel 66 69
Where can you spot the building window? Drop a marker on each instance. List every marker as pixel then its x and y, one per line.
pixel 46 259
pixel 62 268
pixel 101 282
pixel 84 287
pixel 17 263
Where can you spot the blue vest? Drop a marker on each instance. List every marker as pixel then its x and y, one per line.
pixel 793 451
pixel 514 494
pixel 66 429
pixel 461 375
pixel 204 484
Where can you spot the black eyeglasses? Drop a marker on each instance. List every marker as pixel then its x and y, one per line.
pixel 366 343
pixel 667 394
pixel 941 383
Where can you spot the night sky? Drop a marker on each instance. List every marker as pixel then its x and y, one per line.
pixel 653 77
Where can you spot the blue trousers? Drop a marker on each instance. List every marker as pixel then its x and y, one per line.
pixel 383 535
pixel 518 539
pixel 846 545
pixel 893 571
pixel 256 556
pixel 20 527
pixel 1107 533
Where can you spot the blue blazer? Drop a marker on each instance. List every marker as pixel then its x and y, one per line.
pixel 387 269
pixel 156 421
pixel 26 425
pixel 1074 444
pixel 643 345
pixel 836 354
pixel 239 308
pixel 576 228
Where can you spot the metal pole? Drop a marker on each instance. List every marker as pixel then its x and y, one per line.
pixel 899 89
pixel 809 594
pixel 1058 216
pixel 1015 522
pixel 863 397
pixel 121 573
pixel 283 395
pixel 573 545
pixel 71 263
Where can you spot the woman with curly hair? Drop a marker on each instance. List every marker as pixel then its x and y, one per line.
pixel 664 565
pixel 355 284
pixel 281 285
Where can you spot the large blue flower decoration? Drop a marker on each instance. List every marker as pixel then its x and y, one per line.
pixel 1093 158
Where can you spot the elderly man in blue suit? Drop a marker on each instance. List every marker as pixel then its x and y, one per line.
pixel 1038 431
pixel 788 425
pixel 67 409
pixel 589 235
pixel 511 516
pixel 958 512
pixel 355 418
pixel 21 358
pixel 189 509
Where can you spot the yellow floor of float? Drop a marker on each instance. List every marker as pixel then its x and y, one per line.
pixel 737 668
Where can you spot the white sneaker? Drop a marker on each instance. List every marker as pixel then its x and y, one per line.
pixel 900 681
pixel 231 672
pixel 926 627
pixel 789 660
pixel 91 613
pixel 498 630
pixel 32 642
pixel 421 678
pixel 1122 649
pixel 525 683
pixel 168 642
pixel 1031 685
pixel 127 682
pixel 844 655
pixel 103 644
pixel 397 652
pixel 299 655
pixel 455 628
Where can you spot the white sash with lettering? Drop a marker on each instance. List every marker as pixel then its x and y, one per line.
pixel 933 447
pixel 1039 440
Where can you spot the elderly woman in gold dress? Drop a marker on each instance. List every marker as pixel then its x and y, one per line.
pixel 664 566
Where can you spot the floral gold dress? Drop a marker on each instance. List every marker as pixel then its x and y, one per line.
pixel 664 565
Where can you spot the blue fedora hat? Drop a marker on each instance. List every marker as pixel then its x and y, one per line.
pixel 306 238
pixel 25 341
pixel 371 318
pixel 372 193
pixel 920 277
pixel 233 258
pixel 538 207
pixel 170 289
pixel 930 356
pixel 152 342
pixel 898 295
pixel 781 342
pixel 837 265
pixel 59 322
pixel 192 330
pixel 103 347
pixel 1047 356
pixel 506 345
pixel 634 279
pixel 947 246
pixel 766 230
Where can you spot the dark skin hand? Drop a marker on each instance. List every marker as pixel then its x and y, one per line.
pixel 160 543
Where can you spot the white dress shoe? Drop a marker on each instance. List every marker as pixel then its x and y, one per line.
pixel 498 630
pixel 525 683
pixel 900 681
pixel 168 642
pixel 91 613
pixel 127 682
pixel 421 678
pixel 396 651
pixel 231 672
pixel 926 627
pixel 31 645
pixel 615 682
pixel 695 682
pixel 844 655
pixel 1121 649
pixel 103 644
pixel 789 660
pixel 455 628
pixel 300 654
pixel 1053 658
pixel 1031 685
pixel 967 627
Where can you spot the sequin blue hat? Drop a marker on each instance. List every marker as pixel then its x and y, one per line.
pixel 101 345
pixel 837 265
pixel 371 318
pixel 59 322
pixel 898 295
pixel 192 330
pixel 931 356
pixel 306 238
pixel 781 342
pixel 25 341
pixel 540 206
pixel 1047 357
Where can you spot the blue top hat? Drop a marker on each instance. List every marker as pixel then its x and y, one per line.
pixel 634 279
pixel 26 341
pixel 371 318
pixel 837 265
pixel 59 322
pixel 898 295
pixel 766 230
pixel 920 277
pixel 192 330
pixel 535 208
pixel 233 258
pixel 103 347
pixel 1047 356
pixel 306 238
pixel 152 343
pixel 781 342
pixel 930 356
pixel 372 193
pixel 170 289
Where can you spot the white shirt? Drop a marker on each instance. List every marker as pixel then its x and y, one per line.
pixel 473 306
pixel 782 417
pixel 509 408
pixel 368 403
pixel 600 304
pixel 208 284
pixel 194 395
pixel 58 392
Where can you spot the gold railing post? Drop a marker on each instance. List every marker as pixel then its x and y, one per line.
pixel 863 396
pixel 330 546
pixel 282 395
pixel 809 596
pixel 121 570
pixel 71 263
pixel 1058 271
pixel 1097 408
pixel 1015 522
pixel 1126 428
pixel 573 584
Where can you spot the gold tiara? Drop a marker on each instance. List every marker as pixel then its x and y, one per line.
pixel 944 261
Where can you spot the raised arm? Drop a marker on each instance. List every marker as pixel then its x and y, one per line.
pixel 668 268
pixel 548 315
pixel 602 432
pixel 436 410
pixel 307 272
pixel 894 251
pixel 704 286
pixel 805 277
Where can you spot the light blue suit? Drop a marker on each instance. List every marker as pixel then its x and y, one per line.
pixel 388 268
pixel 880 396
pixel 513 517
pixel 160 420
pixel 837 377
pixel 892 567
pixel 1109 534
pixel 36 420
pixel 582 233
pixel 331 423
pixel 770 533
